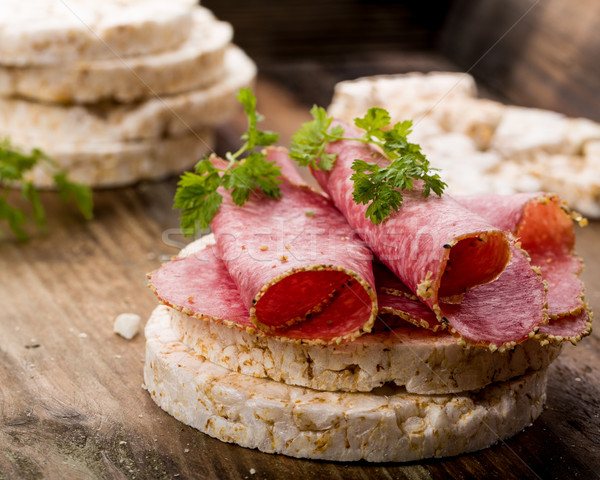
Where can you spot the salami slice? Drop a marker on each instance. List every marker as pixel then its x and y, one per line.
pixel 200 286
pixel 408 309
pixel 570 328
pixel 297 265
pixel 546 232
pixel 280 156
pixel 441 251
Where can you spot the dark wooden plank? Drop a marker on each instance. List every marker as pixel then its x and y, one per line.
pixel 330 29
pixel 72 405
pixel 536 53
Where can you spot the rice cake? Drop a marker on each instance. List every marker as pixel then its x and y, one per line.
pixel 196 63
pixel 382 426
pixel 31 124
pixel 46 32
pixel 123 163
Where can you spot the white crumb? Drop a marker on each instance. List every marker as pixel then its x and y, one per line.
pixel 83 335
pixel 127 325
pixel 252 471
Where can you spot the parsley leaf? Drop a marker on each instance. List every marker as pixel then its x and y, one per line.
pixel 378 187
pixel 308 144
pixel 14 166
pixel 197 194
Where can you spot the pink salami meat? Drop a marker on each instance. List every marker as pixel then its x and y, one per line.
pixel 571 327
pixel 441 251
pixel 297 265
pixel 199 285
pixel 514 304
pixel 470 316
pixel 546 232
pixel 279 155
pixel 408 309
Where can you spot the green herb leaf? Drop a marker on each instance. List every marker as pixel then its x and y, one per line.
pixel 198 195
pixel 308 144
pixel 75 192
pixel 15 218
pixel 373 123
pixel 378 187
pixel 14 165
pixel 254 137
pixel 198 200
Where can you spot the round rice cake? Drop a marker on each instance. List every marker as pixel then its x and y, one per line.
pixel 413 94
pixel 170 115
pixel 123 163
pixel 196 63
pixel 418 359
pixel 45 32
pixel 382 426
pixel 415 358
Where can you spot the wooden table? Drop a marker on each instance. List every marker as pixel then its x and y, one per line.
pixel 71 398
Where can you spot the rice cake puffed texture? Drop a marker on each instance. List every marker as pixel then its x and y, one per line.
pixel 382 426
pixel 30 124
pixel 46 32
pixel 196 63
pixel 123 163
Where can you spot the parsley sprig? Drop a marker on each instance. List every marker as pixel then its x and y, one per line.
pixel 14 166
pixel 197 194
pixel 378 187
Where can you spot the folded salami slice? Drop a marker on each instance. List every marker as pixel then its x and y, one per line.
pixel 200 286
pixel 441 251
pixel 280 155
pixel 297 265
pixel 570 328
pixel 546 232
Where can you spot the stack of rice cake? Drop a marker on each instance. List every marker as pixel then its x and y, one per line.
pixel 116 91
pixel 400 395
pixel 483 146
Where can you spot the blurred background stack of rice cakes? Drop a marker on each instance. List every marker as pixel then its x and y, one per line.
pixel 117 91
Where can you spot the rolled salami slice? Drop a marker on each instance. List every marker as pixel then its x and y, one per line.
pixel 297 265
pixel 545 229
pixel 440 251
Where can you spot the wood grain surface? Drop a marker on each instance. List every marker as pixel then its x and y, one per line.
pixel 72 404
pixel 537 53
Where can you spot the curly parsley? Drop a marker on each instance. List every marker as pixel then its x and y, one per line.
pixel 197 196
pixel 378 187
pixel 14 166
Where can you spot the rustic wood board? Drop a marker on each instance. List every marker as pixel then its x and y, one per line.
pixel 536 53
pixel 71 398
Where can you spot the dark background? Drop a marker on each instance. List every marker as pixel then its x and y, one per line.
pixel 540 53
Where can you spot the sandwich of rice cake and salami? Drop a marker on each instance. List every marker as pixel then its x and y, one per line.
pixel 380 319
